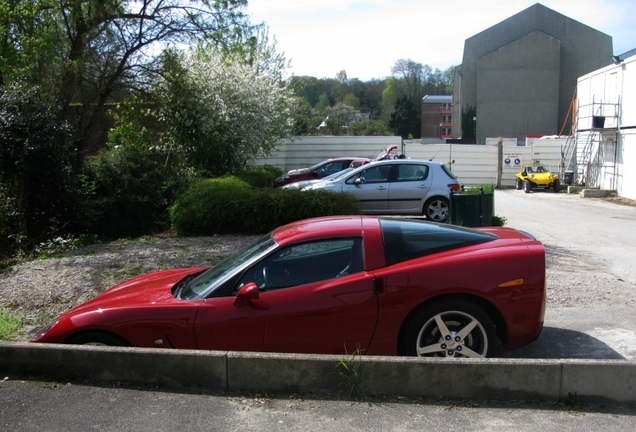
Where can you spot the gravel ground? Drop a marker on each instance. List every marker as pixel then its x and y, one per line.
pixel 41 289
pixel 578 279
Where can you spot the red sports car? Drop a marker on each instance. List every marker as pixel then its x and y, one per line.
pixel 384 286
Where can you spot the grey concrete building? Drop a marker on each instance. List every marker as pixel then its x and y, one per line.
pixel 521 74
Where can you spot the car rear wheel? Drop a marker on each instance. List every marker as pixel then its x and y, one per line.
pixel 436 209
pixel 518 184
pixel 556 185
pixel 450 328
pixel 98 339
pixel 527 186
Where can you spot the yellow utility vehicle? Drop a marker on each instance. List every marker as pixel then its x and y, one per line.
pixel 536 175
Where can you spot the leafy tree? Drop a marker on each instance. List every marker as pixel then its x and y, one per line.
pixel 98 51
pixel 368 128
pixel 411 77
pixel 338 118
pixel 390 96
pixel 323 103
pixel 35 160
pixel 351 100
pixel 405 120
pixel 449 79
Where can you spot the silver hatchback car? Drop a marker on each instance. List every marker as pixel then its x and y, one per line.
pixel 398 187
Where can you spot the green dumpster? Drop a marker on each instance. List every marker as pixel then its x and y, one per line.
pixel 472 209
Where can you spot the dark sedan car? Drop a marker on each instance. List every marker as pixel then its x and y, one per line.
pixel 334 285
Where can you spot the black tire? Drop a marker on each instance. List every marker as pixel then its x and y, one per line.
pixel 98 339
pixel 556 185
pixel 527 186
pixel 518 184
pixel 436 209
pixel 424 338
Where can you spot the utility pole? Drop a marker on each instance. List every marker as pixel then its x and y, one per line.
pixel 499 161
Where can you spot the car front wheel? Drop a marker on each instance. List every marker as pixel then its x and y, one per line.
pixel 436 209
pixel 527 186
pixel 518 184
pixel 98 339
pixel 450 328
pixel 556 185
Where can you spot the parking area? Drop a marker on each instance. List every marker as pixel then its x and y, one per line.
pixel 591 276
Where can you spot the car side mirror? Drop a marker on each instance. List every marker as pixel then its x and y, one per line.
pixel 248 294
pixel 358 181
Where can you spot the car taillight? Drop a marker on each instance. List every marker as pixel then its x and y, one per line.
pixel 454 187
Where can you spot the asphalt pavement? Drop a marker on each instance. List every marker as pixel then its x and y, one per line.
pixel 591 256
pixel 38 406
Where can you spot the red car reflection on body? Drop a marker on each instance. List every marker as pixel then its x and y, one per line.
pixel 386 286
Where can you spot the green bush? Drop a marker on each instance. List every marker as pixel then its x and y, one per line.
pixel 229 205
pixel 128 193
pixel 476 190
pixel 36 169
pixel 260 177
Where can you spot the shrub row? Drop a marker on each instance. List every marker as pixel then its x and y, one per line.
pixel 230 205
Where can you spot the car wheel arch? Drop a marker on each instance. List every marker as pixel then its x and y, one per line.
pixel 85 337
pixel 488 308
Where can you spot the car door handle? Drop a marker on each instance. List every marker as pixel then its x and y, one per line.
pixel 423 186
pixel 381 187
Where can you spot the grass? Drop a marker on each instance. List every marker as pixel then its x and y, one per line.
pixel 132 271
pixel 498 220
pixel 350 370
pixel 9 323
pixel 476 190
pixel 573 399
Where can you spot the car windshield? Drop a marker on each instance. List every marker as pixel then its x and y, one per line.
pixel 339 174
pixel 204 284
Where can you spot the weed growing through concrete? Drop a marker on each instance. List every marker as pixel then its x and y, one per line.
pixel 350 370
pixel 573 399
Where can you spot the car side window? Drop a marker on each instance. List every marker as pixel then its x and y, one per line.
pixel 412 172
pixel 331 168
pixel 413 239
pixel 373 174
pixel 306 263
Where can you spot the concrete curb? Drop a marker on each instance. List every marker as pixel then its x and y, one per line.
pixel 504 379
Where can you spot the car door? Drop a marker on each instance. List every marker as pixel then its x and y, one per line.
pixel 371 187
pixel 409 188
pixel 329 317
pixel 312 298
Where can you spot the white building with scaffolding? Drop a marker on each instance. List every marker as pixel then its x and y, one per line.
pixel 602 150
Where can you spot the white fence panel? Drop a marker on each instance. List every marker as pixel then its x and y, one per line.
pixel 307 151
pixel 472 164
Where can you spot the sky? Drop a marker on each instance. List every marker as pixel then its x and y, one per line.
pixel 366 37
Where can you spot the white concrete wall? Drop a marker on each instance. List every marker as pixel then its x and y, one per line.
pixel 614 84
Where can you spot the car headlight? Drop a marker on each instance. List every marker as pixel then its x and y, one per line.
pixel 43 330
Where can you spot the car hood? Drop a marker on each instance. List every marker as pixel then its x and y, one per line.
pixel 153 288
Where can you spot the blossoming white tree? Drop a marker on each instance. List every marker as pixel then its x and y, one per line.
pixel 223 111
